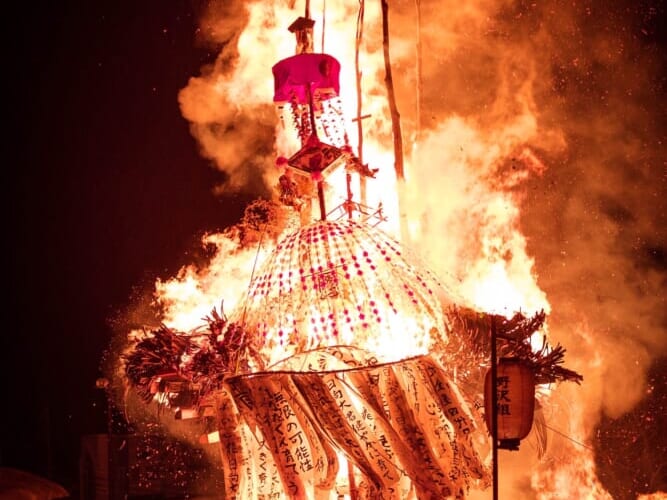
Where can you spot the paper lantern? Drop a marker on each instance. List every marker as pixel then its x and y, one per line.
pixel 343 282
pixel 295 76
pixel 516 401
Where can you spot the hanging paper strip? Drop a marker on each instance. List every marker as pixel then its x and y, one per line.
pixel 403 425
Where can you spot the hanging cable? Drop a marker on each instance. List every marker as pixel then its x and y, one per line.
pixel 562 434
pixel 252 273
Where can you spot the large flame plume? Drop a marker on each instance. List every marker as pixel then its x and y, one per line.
pixel 533 180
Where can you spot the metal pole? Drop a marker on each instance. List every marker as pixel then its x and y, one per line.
pixel 494 406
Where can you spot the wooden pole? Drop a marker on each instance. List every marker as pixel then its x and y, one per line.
pixel 494 405
pixel 395 126
pixel 320 196
pixel 357 70
pixel 391 96
pixel 348 204
pixel 313 133
pixel 418 98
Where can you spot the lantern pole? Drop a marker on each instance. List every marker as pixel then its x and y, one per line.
pixel 313 134
pixel 494 406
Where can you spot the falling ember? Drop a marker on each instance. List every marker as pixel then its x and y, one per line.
pixel 321 352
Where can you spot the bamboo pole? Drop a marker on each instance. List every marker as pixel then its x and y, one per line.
pixel 395 124
pixel 418 93
pixel 360 134
pixel 391 96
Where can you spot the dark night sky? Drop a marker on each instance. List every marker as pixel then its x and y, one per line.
pixel 107 191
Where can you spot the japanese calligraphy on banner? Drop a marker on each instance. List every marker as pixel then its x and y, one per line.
pixel 403 426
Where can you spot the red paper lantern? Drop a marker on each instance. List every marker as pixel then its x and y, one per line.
pixel 295 76
pixel 516 401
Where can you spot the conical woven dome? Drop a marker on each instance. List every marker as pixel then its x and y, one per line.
pixel 341 283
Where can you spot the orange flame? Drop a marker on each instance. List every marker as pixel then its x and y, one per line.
pixel 468 165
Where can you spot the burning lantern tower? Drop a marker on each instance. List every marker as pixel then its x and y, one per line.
pixel 348 368
pixel 307 87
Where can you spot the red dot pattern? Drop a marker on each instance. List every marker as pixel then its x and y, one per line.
pixel 338 282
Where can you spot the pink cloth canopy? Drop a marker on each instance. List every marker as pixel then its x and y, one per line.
pixel 294 74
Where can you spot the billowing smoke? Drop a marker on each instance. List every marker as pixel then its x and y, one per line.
pixel 227 106
pixel 536 140
pixel 574 88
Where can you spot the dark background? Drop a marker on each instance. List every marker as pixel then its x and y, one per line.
pixel 107 191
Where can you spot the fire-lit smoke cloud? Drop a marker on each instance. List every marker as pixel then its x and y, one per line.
pixel 227 104
pixel 575 88
pixel 535 146
pixel 507 88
